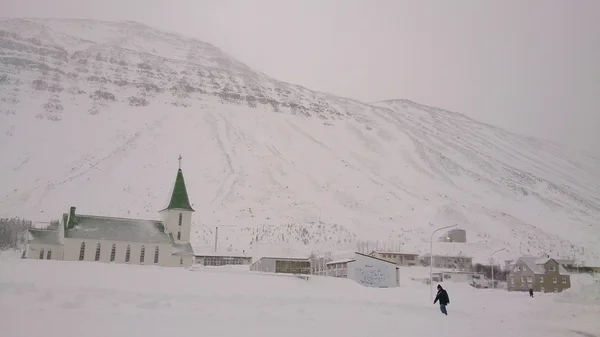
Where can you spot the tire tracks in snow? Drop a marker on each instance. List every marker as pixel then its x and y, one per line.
pixel 223 130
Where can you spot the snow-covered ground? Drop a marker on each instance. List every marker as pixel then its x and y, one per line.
pixel 57 298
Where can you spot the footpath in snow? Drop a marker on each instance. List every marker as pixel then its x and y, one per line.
pixel 59 298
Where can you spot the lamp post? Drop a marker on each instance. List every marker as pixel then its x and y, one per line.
pixel 492 258
pixel 431 259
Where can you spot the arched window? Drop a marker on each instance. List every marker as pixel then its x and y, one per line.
pixel 142 253
pixel 156 255
pixel 127 254
pixel 113 252
pixel 97 258
pixel 42 254
pixel 180 218
pixel 82 251
pixel 49 255
pixel 178 235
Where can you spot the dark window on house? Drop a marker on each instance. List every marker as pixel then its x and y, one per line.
pixel 42 254
pixel 142 254
pixel 156 255
pixel 49 255
pixel 127 254
pixel 113 252
pixel 82 251
pixel 178 235
pixel 180 218
pixel 97 257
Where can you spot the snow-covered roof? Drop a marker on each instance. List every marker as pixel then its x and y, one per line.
pixel 182 249
pixel 224 254
pixel 536 264
pixel 395 253
pixel 44 236
pixel 118 229
pixel 340 261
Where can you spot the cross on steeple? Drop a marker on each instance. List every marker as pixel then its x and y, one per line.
pixel 179 161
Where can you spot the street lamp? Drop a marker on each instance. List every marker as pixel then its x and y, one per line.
pixel 492 258
pixel 431 258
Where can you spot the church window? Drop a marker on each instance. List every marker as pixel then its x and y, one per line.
pixel 97 257
pixel 82 251
pixel 178 235
pixel 156 255
pixel 180 218
pixel 49 254
pixel 127 254
pixel 113 252
pixel 42 254
pixel 142 253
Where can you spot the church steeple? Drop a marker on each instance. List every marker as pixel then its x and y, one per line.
pixel 179 197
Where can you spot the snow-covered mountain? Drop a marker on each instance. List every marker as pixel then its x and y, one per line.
pixel 94 114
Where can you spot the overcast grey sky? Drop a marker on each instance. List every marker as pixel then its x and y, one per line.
pixel 531 67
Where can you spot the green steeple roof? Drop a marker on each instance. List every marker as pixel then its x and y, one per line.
pixel 179 198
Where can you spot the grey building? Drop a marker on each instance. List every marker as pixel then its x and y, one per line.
pixel 221 260
pixel 400 259
pixel 282 265
pixel 455 235
pixel 541 275
pixel 449 262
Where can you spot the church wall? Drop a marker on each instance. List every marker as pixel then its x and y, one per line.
pixel 170 220
pixel 188 261
pixel 72 250
pixel 33 251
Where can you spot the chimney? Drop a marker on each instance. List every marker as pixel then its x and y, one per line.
pixel 65 220
pixel 71 217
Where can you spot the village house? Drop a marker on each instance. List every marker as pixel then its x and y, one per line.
pixel 540 274
pixel 216 259
pixel 464 263
pixel 366 270
pixel 400 259
pixel 83 237
pixel 285 265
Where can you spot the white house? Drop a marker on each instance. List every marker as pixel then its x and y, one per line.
pixel 367 270
pixel 82 237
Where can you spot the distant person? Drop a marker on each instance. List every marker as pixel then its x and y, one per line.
pixel 530 292
pixel 442 296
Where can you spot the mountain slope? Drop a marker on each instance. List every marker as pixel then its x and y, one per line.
pixel 94 114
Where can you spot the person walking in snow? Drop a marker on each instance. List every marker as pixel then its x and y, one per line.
pixel 530 292
pixel 442 296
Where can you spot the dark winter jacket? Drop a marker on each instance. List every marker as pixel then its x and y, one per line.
pixel 442 296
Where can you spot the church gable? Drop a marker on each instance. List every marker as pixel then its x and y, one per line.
pixel 183 249
pixel 117 229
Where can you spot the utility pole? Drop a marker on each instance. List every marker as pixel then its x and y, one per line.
pixel 216 237
pixel 492 258
pixel 431 259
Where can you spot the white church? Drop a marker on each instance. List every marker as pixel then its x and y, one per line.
pixel 82 237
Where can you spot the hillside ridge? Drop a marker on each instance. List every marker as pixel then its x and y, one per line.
pixel 105 108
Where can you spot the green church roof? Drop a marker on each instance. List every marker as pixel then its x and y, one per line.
pixel 179 198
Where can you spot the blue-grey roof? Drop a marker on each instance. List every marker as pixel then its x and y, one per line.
pixel 44 236
pixel 182 249
pixel 536 265
pixel 118 229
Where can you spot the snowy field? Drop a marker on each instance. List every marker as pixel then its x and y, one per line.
pixel 58 298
